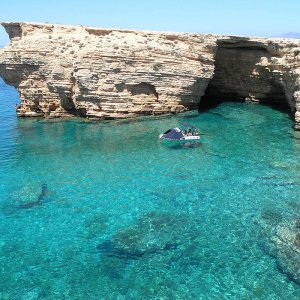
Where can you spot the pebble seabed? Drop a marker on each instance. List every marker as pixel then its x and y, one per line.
pixel 107 211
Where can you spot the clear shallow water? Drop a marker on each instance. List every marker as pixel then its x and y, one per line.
pixel 109 181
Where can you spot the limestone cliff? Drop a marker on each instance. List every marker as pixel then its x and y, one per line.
pixel 110 73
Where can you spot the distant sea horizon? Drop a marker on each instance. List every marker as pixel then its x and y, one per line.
pixel 290 35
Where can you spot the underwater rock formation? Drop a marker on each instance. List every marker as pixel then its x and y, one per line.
pixel 111 73
pixel 30 195
pixel 38 201
pixel 281 239
pixel 153 234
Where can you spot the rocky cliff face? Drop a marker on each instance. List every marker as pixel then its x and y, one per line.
pixel 103 73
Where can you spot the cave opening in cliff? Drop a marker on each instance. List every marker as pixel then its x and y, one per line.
pixel 240 75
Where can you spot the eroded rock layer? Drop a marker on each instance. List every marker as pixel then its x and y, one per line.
pixel 104 73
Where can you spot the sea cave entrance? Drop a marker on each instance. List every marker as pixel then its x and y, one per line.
pixel 240 76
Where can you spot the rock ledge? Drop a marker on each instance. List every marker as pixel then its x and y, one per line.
pixel 114 73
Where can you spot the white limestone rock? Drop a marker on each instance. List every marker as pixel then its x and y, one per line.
pixel 112 73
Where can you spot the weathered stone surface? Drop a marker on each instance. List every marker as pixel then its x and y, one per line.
pixel 111 73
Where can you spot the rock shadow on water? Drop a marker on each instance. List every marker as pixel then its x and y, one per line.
pixel 185 146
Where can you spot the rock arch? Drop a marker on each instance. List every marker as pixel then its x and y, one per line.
pixel 243 72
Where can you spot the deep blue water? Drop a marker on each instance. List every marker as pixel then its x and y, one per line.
pixel 90 183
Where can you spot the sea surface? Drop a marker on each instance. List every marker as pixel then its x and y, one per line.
pixel 104 210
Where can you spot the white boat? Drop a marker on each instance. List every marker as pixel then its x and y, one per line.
pixel 177 134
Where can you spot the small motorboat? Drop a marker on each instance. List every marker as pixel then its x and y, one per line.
pixel 190 133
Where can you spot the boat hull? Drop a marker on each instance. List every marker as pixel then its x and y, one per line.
pixel 186 138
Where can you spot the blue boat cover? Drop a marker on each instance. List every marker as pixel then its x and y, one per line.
pixel 173 134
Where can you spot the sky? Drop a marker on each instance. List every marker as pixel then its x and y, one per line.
pixel 234 17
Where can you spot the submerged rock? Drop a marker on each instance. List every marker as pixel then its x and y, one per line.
pixel 95 224
pixel 36 293
pixel 26 197
pixel 282 241
pixel 153 233
pixel 38 200
pixel 271 216
pixel 285 245
pixel 26 193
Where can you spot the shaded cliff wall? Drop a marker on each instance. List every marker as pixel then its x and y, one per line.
pixel 239 75
pixel 262 70
pixel 104 73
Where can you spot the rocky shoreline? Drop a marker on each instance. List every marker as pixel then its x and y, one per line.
pixel 99 73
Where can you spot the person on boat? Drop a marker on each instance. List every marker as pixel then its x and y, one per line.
pixel 195 132
pixel 190 132
pixel 185 133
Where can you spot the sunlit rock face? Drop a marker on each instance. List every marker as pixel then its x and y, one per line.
pixel 62 70
pixel 110 73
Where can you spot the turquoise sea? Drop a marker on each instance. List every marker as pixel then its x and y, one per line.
pixel 104 210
